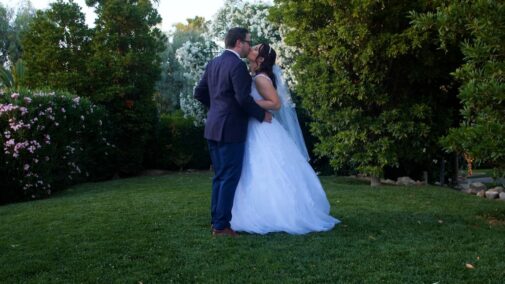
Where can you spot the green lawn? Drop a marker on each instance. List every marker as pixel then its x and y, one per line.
pixel 156 230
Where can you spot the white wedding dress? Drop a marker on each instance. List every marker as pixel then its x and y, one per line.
pixel 278 190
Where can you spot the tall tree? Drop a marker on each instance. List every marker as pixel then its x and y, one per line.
pixel 124 67
pixel 13 23
pixel 23 16
pixel 56 49
pixel 373 92
pixel 172 79
pixel 4 34
pixel 478 28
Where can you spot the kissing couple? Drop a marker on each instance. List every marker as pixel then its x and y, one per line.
pixel 262 181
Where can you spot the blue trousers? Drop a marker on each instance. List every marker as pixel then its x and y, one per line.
pixel 227 163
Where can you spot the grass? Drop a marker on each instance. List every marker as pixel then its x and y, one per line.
pixel 156 230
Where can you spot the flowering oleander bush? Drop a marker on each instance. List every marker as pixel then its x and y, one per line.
pixel 49 141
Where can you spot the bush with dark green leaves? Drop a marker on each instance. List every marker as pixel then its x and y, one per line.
pixel 378 98
pixel 478 29
pixel 179 144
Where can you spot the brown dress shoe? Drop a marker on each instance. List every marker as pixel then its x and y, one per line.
pixel 227 232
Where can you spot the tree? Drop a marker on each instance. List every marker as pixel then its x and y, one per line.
pixel 12 25
pixel 124 67
pixel 195 26
pixel 23 17
pixel 4 34
pixel 477 27
pixel 373 92
pixel 252 16
pixel 172 81
pixel 56 49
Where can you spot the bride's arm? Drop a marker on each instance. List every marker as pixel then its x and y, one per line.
pixel 266 89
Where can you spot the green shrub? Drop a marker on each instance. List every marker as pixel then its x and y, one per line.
pixel 179 144
pixel 134 126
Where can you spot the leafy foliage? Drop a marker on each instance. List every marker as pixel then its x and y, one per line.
pixel 12 25
pixel 14 78
pixel 371 89
pixel 124 67
pixel 179 144
pixel 56 49
pixel 478 28
pixel 174 81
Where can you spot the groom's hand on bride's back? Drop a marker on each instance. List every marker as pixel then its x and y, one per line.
pixel 268 117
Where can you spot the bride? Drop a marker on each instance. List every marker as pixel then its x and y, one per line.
pixel 278 190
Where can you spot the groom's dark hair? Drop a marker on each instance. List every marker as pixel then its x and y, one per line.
pixel 233 35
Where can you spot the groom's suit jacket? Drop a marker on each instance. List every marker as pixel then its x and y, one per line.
pixel 225 89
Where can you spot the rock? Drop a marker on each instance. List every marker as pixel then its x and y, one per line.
pixel 469 191
pixel 388 181
pixel 405 181
pixel 498 189
pixel 462 189
pixel 481 193
pixel 477 186
pixel 464 186
pixel 491 194
pixel 502 196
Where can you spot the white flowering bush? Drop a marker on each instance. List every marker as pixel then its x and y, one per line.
pixel 252 16
pixel 50 141
pixel 194 55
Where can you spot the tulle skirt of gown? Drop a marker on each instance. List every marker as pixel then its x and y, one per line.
pixel 278 190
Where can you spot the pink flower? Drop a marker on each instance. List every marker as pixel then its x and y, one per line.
pixel 23 110
pixel 26 167
pixel 14 95
pixel 31 149
pixel 27 100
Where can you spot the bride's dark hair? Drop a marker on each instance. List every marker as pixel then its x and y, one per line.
pixel 269 55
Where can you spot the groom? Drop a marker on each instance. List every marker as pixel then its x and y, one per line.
pixel 225 89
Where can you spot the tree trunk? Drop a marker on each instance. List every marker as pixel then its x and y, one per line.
pixel 375 181
pixel 442 172
pixel 455 176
